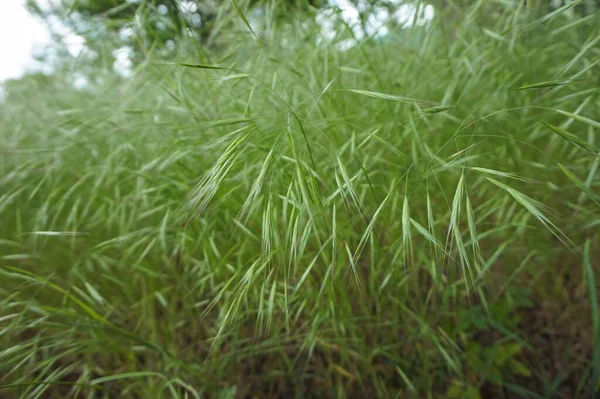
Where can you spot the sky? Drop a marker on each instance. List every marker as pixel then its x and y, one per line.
pixel 22 34
pixel 376 23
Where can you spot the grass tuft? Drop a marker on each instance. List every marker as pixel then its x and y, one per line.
pixel 264 216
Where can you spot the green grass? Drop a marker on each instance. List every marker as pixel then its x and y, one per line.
pixel 413 218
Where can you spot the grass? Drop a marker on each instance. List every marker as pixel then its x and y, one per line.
pixel 410 218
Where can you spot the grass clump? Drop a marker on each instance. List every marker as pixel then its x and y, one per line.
pixel 416 217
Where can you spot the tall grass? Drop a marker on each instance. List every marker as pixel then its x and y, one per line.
pixel 413 217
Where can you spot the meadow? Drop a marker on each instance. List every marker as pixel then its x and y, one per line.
pixel 415 217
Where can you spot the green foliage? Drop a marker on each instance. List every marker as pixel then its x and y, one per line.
pixel 156 22
pixel 494 362
pixel 283 217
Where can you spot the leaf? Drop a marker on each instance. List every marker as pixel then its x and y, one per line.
pixel 134 374
pixel 200 66
pixel 588 191
pixel 59 233
pixel 493 34
pixel 91 312
pixel 343 371
pixel 589 45
pixel 350 188
pixel 486 171
pixel 436 110
pixel 576 141
pixel 243 17
pixel 227 393
pixel 94 293
pixel 227 122
pixel 535 208
pixel 541 85
pixel 184 64
pixel 520 368
pixel 369 230
pixel 425 233
pixel 580 118
pixel 455 391
pixel 205 190
pixel 472 393
pixel 19 256
pixel 384 96
pixel 553 14
pixel 406 380
pixel 256 187
pixel 406 236
pixel 480 322
pixel 512 349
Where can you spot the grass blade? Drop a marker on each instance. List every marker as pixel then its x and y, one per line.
pixel 389 97
pixel 588 191
pixel 576 141
pixel 243 17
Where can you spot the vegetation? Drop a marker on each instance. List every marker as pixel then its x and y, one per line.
pixel 281 217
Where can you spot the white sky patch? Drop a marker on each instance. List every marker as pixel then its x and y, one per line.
pixel 406 14
pixel 123 64
pixel 75 44
pixel 376 23
pixel 80 81
pixel 20 35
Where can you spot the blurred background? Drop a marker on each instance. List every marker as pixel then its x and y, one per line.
pixel 38 35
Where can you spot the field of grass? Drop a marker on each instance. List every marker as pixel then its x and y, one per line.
pixel 412 218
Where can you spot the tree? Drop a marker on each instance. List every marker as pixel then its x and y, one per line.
pixel 157 22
